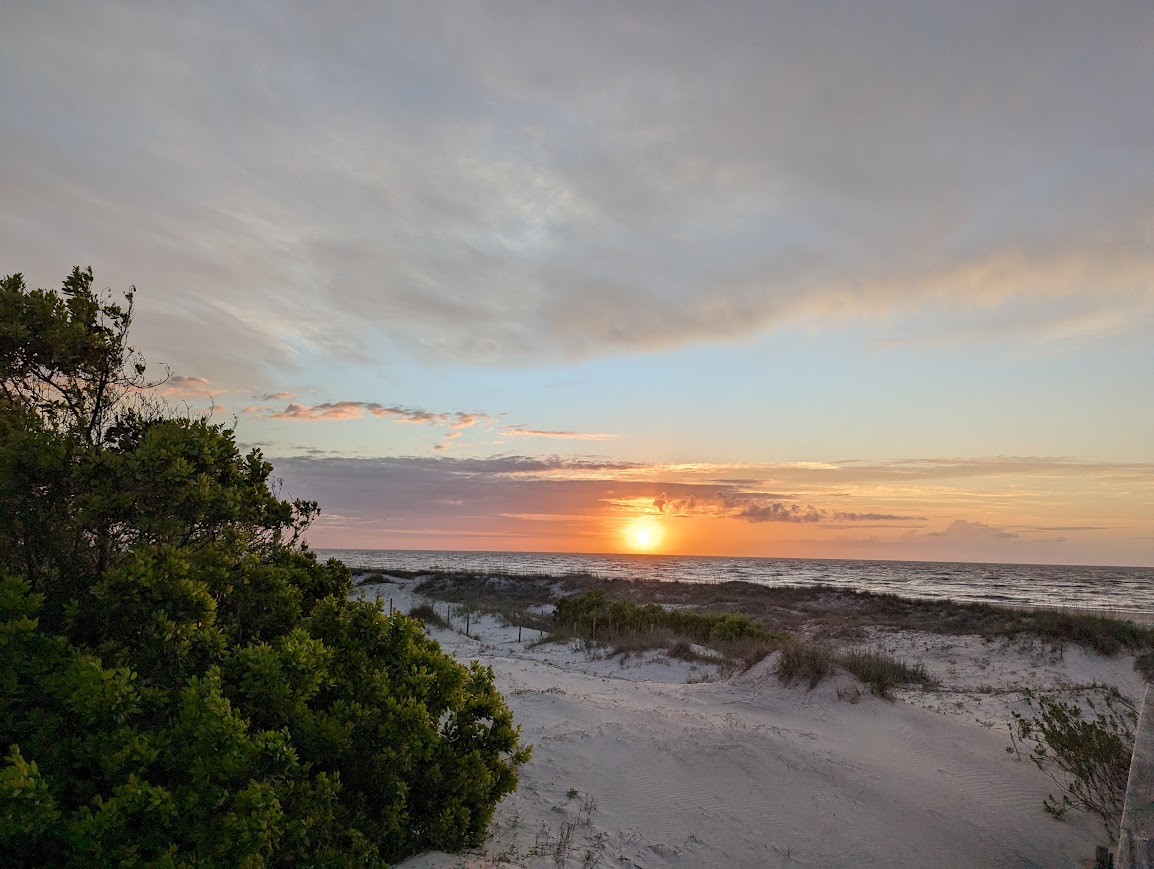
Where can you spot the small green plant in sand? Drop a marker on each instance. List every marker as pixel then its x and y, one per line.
pixel 1087 757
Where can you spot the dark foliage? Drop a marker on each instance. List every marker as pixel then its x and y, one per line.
pixel 180 683
pixel 1086 752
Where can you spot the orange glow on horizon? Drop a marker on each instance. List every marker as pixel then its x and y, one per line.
pixel 643 534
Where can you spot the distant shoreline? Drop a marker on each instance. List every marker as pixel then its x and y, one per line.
pixel 1125 592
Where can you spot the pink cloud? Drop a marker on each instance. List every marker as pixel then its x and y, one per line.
pixel 358 409
pixel 335 410
pixel 179 386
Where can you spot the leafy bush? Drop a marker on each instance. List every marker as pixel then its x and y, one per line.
pixel 1089 759
pixel 180 685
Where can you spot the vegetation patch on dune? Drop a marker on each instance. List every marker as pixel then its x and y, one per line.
pixel 822 612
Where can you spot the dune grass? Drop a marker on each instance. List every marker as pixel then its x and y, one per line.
pixel 828 613
pixel 731 641
pixel 429 615
pixel 809 662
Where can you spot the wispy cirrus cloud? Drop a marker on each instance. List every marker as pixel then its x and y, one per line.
pixel 518 431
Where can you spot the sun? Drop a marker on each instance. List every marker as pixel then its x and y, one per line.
pixel 643 534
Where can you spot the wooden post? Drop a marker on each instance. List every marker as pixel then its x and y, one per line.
pixel 390 607
pixel 1136 837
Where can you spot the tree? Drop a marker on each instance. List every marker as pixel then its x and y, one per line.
pixel 181 683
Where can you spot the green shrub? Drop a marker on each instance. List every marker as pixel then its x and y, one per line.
pixel 1088 758
pixel 180 685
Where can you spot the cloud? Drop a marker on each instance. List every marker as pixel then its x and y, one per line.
pixel 466 420
pixel 332 410
pixel 1040 529
pixel 962 529
pixel 487 182
pixel 275 396
pixel 762 507
pixel 178 386
pixel 357 410
pixel 523 432
pixel 775 511
pixel 943 468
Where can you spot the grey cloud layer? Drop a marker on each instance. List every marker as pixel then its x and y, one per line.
pixel 422 489
pixel 760 507
pixel 504 181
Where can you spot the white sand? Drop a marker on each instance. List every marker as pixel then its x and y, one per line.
pixel 669 771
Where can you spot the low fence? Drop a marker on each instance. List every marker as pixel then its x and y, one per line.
pixel 1136 837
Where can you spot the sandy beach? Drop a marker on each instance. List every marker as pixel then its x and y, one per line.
pixel 650 761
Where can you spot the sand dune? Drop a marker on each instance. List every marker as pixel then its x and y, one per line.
pixel 634 765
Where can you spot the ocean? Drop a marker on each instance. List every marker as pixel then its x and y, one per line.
pixel 1118 590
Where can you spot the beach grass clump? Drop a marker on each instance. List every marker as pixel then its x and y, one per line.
pixel 810 661
pixel 1102 634
pixel 744 652
pixel 883 672
pixel 730 640
pixel 600 617
pixel 481 590
pixel 1144 664
pixel 428 614
pixel 805 661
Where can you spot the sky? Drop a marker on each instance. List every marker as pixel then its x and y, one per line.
pixel 799 279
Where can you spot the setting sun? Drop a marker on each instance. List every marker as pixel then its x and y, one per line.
pixel 643 534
